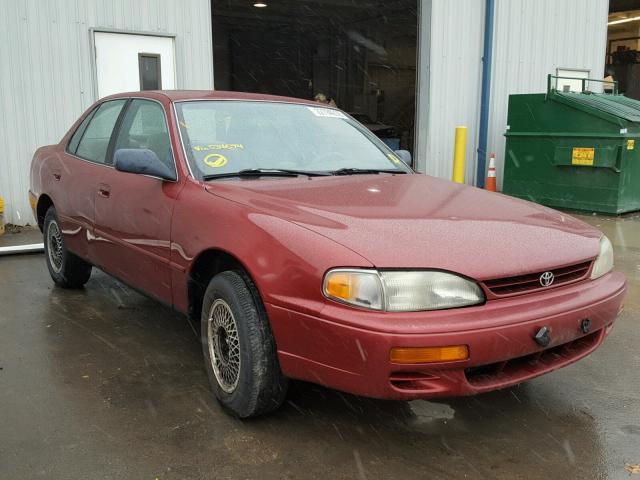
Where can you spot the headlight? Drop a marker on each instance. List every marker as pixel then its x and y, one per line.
pixel 604 261
pixel 398 291
pixel 413 291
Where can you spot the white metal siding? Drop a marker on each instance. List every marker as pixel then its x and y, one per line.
pixel 534 38
pixel 531 39
pixel 46 77
pixel 454 57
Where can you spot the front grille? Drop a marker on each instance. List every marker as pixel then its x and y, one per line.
pixel 531 282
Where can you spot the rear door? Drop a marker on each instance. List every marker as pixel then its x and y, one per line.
pixel 77 178
pixel 133 212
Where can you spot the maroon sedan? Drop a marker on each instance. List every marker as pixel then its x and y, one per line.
pixel 305 248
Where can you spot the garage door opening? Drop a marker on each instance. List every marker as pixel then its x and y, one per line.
pixel 362 55
pixel 623 46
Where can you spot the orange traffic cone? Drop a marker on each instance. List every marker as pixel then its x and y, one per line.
pixel 490 184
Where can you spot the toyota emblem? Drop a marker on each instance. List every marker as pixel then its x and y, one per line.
pixel 546 279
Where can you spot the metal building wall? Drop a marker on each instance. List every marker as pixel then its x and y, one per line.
pixel 46 70
pixel 534 38
pixel 531 39
pixel 450 55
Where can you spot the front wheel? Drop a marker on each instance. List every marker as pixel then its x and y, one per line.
pixel 239 349
pixel 67 270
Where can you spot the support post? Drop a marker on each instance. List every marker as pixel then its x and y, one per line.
pixel 485 96
pixel 459 152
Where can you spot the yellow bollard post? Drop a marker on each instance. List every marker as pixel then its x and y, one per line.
pixel 1 216
pixel 459 152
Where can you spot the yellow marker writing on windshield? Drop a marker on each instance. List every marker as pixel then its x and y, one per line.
pixel 218 146
pixel 215 160
pixel 393 158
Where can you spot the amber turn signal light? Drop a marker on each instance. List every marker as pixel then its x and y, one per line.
pixel 341 285
pixel 429 354
pixel 33 201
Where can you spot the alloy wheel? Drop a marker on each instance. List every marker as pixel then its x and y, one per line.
pixel 54 246
pixel 224 345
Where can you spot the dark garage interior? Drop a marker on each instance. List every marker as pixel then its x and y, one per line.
pixel 362 55
pixel 623 46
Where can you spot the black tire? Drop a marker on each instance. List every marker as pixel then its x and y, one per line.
pixel 259 386
pixel 66 269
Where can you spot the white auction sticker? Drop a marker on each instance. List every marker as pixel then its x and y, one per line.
pixel 327 112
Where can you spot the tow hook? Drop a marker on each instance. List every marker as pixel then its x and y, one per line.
pixel 585 325
pixel 543 337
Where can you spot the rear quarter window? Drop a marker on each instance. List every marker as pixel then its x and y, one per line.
pixel 72 146
pixel 95 139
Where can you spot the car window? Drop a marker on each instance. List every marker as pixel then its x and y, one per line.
pixel 145 126
pixel 95 140
pixel 77 135
pixel 229 136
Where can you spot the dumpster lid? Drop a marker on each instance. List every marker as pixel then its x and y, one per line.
pixel 617 105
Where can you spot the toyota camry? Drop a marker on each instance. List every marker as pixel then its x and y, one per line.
pixel 304 248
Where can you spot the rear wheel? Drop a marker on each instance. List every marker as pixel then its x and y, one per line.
pixel 239 349
pixel 67 270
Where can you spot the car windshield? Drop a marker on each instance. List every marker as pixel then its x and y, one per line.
pixel 224 137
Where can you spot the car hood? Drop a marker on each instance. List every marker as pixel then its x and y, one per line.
pixel 418 221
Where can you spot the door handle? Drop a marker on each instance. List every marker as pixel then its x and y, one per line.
pixel 57 176
pixel 104 190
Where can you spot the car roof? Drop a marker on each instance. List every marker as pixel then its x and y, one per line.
pixel 182 95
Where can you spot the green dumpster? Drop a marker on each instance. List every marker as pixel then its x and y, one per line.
pixel 574 150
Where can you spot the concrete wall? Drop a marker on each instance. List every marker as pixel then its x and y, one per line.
pixel 46 78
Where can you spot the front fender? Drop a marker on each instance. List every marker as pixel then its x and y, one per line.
pixel 286 261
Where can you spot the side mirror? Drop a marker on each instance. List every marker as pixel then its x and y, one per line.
pixel 404 155
pixel 141 161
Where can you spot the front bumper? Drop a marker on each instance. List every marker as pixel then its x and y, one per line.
pixel 348 349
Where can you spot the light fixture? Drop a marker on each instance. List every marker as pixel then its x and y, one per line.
pixel 624 20
pixel 259 4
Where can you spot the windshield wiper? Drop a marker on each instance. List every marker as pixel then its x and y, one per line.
pixel 265 172
pixel 364 171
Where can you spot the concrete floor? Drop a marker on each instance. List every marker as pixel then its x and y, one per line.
pixel 104 383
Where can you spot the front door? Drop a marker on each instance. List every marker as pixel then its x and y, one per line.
pixel 129 62
pixel 133 212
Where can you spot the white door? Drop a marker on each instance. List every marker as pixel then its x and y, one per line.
pixel 129 62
